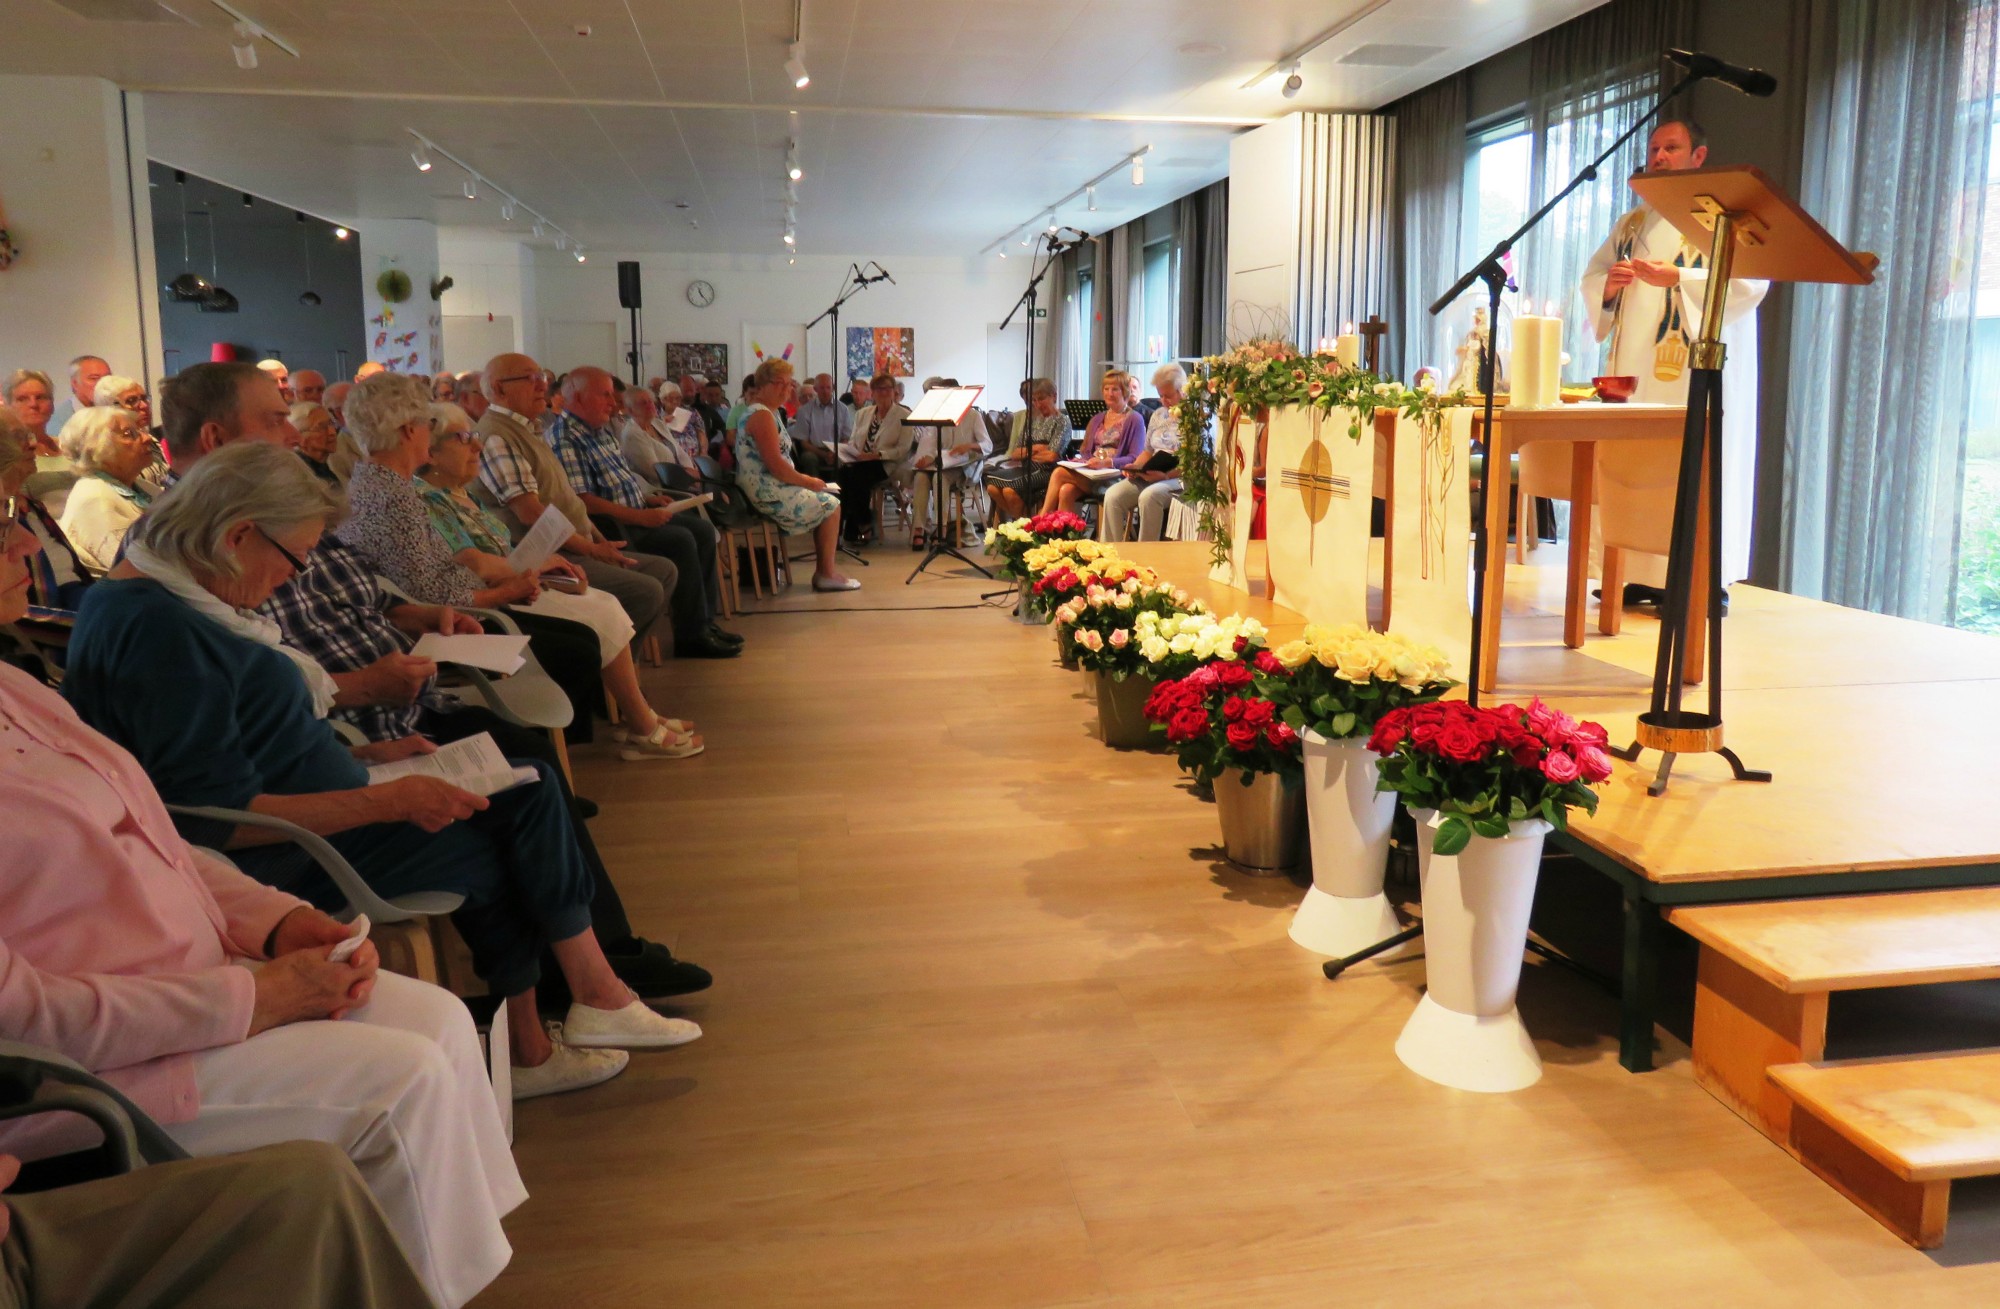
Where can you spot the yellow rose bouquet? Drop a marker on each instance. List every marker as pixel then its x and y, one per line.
pixel 1344 679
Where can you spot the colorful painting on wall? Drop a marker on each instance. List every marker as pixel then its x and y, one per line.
pixel 896 351
pixel 709 358
pixel 860 352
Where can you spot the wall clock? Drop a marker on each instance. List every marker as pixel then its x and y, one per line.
pixel 700 294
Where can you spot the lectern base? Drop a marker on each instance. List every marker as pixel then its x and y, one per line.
pixel 1680 731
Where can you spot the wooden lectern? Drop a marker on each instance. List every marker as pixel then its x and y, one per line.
pixel 1753 230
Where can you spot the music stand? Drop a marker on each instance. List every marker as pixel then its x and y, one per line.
pixel 942 409
pixel 1754 230
pixel 1082 411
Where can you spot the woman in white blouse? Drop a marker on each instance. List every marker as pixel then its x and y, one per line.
pixel 111 450
pixel 1147 485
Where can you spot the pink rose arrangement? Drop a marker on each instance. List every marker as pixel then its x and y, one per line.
pixel 1100 615
pixel 1224 715
pixel 1484 769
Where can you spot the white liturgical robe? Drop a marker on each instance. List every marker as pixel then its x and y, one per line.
pixel 1641 319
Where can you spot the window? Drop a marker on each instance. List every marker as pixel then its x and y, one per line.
pixel 1498 166
pixel 1160 287
pixel 1081 365
pixel 1977 598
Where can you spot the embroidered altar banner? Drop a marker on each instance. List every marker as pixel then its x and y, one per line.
pixel 1316 509
pixel 1430 570
pixel 1238 436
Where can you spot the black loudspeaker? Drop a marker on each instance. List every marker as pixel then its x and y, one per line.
pixel 628 284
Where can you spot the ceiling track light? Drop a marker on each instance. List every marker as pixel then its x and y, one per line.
pixel 538 228
pixel 248 33
pixel 792 169
pixel 1288 62
pixel 507 210
pixel 247 201
pixel 471 188
pixel 795 68
pixel 579 254
pixel 1293 82
pixel 1087 192
pixel 422 150
pixel 420 157
pixel 340 234
pixel 791 237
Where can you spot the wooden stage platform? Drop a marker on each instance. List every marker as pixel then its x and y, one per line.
pixel 1874 728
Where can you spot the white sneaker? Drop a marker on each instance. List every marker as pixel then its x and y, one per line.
pixel 828 584
pixel 635 1027
pixel 568 1069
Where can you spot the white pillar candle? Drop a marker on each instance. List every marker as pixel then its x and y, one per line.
pixel 1550 388
pixel 1347 347
pixel 1525 374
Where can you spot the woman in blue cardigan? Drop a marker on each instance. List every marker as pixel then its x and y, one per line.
pixel 170 660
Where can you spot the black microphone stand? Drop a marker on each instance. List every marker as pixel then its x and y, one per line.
pixel 1490 271
pixel 1052 246
pixel 851 285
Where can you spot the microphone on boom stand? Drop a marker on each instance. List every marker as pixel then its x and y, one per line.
pixel 1750 81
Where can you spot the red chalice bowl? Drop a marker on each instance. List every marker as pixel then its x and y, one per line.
pixel 1614 390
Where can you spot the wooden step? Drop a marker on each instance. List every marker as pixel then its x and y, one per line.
pixel 1768 966
pixel 1892 1134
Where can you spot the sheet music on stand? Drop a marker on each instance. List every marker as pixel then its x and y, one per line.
pixel 944 405
pixel 1082 411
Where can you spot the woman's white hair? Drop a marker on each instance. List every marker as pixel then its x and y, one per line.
pixel 447 418
pixel 1173 373
pixel 88 437
pixel 381 406
pixel 244 481
pixel 110 387
pixel 671 389
pixel 303 411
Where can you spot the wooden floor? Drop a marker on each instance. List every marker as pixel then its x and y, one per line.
pixel 994 1026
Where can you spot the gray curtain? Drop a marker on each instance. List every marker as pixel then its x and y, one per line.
pixel 1201 234
pixel 1588 80
pixel 1430 188
pixel 1344 222
pixel 1899 107
pixel 1114 294
pixel 1099 330
pixel 1069 337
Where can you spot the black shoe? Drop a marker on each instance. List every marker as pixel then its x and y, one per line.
pixel 651 970
pixel 723 635
pixel 706 647
pixel 585 807
pixel 1638 594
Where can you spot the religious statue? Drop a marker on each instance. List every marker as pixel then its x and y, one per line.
pixel 1471 354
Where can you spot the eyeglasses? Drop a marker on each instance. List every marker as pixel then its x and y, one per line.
pixel 134 404
pixel 298 564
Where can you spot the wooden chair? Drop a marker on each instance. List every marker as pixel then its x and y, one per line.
pixel 743 528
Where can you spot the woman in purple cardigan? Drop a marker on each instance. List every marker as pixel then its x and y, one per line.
pixel 1114 439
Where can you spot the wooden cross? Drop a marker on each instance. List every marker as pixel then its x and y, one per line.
pixel 1372 333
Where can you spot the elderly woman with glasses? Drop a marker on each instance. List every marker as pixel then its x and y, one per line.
pixel 170 660
pixel 1152 481
pixel 477 543
pixel 123 947
pixel 112 451
pixel 319 437
pixel 1041 430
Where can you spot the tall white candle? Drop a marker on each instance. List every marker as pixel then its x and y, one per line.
pixel 1347 347
pixel 1525 374
pixel 1550 387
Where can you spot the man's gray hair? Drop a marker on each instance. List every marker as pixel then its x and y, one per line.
pixel 581 376
pixel 88 436
pixel 1170 373
pixel 381 406
pixel 303 411
pixel 76 364
pixel 110 387
pixel 244 481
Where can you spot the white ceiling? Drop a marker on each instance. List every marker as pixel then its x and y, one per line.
pixel 931 127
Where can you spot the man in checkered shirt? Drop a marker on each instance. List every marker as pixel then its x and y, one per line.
pixel 624 507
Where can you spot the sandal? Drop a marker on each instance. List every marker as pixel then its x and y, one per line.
pixel 678 726
pixel 662 743
pixel 917 538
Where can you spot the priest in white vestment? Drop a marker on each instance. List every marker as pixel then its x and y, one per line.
pixel 1644 290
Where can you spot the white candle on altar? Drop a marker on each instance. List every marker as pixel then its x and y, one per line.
pixel 1525 374
pixel 1347 347
pixel 1550 387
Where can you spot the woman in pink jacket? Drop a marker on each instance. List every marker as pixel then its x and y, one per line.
pixel 208 998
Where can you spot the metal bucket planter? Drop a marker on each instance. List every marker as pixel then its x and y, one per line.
pixel 1263 820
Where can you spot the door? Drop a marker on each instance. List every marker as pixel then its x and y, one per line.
pixel 565 345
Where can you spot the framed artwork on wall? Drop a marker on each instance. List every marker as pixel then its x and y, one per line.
pixel 709 358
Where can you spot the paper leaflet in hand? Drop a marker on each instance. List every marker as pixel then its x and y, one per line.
pixel 546 537
pixel 496 654
pixel 474 764
pixel 357 933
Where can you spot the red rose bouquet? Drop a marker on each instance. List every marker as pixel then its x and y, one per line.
pixel 1224 715
pixel 1484 769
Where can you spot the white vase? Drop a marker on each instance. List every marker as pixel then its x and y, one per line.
pixel 1466 1032
pixel 1345 909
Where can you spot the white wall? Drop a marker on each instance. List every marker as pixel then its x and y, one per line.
pixel 82 284
pixel 949 303
pixel 406 337
pixel 1264 180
